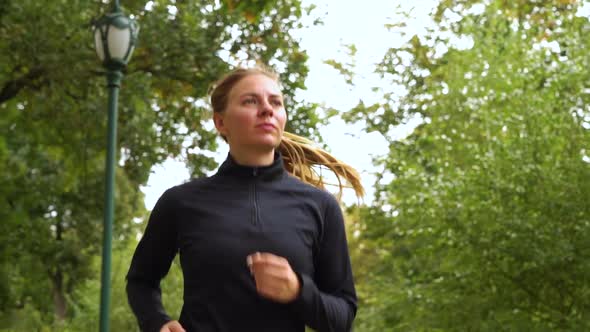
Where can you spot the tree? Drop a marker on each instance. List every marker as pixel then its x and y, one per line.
pixel 485 225
pixel 53 126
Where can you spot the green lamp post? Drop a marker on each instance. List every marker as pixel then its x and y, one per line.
pixel 115 36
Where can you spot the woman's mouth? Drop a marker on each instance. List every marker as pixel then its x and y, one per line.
pixel 266 126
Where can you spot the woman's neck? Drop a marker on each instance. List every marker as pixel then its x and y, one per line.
pixel 253 158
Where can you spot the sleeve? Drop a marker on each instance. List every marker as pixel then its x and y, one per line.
pixel 328 301
pixel 151 262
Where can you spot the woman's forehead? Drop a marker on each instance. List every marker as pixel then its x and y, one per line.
pixel 256 84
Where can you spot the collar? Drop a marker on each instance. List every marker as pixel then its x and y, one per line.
pixel 267 173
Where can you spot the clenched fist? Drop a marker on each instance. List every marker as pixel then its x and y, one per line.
pixel 172 326
pixel 274 277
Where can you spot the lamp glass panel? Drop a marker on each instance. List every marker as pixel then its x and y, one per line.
pixel 118 42
pixel 130 52
pixel 98 44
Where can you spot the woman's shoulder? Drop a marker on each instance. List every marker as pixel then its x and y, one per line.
pixel 188 186
pixel 319 194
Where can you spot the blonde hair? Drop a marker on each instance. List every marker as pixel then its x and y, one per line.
pixel 300 157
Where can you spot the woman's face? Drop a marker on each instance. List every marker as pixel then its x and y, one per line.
pixel 255 115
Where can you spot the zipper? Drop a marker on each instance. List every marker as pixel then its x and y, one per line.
pixel 254 198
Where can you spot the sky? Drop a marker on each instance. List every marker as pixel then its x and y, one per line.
pixel 345 22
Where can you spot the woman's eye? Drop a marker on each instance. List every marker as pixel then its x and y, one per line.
pixel 250 101
pixel 277 103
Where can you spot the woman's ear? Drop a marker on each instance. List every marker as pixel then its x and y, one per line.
pixel 219 124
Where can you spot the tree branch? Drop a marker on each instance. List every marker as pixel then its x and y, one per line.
pixel 13 87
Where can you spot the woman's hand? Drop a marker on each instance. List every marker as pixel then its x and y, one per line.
pixel 172 326
pixel 274 277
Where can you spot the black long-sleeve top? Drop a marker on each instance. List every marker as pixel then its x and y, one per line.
pixel 214 223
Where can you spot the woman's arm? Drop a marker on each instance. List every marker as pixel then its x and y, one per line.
pixel 151 262
pixel 327 300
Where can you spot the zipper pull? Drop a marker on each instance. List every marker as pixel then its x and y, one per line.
pixel 255 171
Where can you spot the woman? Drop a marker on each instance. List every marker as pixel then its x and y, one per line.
pixel 262 248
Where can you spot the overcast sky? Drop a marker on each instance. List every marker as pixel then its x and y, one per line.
pixel 345 22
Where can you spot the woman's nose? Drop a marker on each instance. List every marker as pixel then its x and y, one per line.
pixel 266 109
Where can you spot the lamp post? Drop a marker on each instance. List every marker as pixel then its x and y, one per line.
pixel 115 36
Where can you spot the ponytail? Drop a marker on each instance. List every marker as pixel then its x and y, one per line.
pixel 301 159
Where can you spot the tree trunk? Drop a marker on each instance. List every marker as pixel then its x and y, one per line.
pixel 59 298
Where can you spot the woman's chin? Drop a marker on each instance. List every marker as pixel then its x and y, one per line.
pixel 267 142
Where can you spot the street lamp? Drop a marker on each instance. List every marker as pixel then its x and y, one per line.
pixel 115 36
